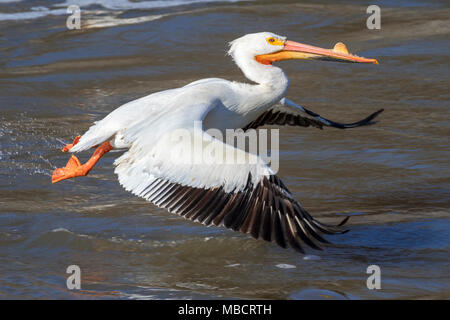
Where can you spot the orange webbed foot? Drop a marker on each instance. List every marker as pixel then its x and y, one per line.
pixel 70 145
pixel 73 169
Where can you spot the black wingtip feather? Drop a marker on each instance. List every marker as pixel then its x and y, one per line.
pixel 267 211
pixel 364 122
pixel 344 221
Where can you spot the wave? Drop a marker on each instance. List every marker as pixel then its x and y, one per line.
pixel 35 13
pixel 128 5
pixel 111 5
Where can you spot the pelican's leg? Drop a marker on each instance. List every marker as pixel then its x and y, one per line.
pixel 74 168
pixel 70 145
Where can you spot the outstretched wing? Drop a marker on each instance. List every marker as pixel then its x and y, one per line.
pixel 288 113
pixel 203 179
pixel 282 117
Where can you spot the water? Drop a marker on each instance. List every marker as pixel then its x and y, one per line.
pixel 392 178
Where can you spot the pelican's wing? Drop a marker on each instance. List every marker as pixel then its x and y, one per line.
pixel 188 173
pixel 282 116
pixel 288 113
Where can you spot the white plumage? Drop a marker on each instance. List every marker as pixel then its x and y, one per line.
pixel 173 174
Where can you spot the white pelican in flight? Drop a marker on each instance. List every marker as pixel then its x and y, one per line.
pixel 248 197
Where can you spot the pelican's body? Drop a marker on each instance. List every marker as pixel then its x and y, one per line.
pixel 246 197
pixel 232 106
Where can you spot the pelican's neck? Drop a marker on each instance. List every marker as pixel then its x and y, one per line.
pixel 264 75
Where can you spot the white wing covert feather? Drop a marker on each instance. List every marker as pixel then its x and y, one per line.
pixel 181 152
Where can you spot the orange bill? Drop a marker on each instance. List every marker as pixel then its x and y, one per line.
pixel 295 50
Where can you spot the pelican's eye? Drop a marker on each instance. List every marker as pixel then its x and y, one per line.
pixel 274 41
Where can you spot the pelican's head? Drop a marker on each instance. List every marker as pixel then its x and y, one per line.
pixel 267 47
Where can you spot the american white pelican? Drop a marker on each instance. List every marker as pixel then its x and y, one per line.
pixel 244 197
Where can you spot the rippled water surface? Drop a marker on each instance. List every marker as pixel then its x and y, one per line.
pixel 392 178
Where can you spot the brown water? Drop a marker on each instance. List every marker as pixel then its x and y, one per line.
pixel 393 178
